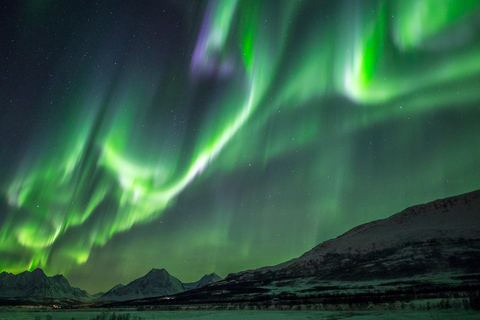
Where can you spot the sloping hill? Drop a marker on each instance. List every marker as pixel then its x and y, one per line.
pixel 426 251
pixel 443 235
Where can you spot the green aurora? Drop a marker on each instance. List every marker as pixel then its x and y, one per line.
pixel 225 135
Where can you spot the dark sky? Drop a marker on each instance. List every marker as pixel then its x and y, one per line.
pixel 219 136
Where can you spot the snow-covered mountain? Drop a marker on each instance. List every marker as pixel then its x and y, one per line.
pixel 205 280
pixel 425 249
pixel 423 252
pixel 156 283
pixel 114 289
pixel 440 236
pixel 36 284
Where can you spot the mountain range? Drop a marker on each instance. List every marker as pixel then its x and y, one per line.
pixel 37 285
pixel 422 250
pixel 426 251
pixel 157 282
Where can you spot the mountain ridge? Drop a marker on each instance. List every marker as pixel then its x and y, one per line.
pixel 427 251
pixel 450 219
pixel 436 238
pixel 36 284
pixel 157 282
pixel 205 280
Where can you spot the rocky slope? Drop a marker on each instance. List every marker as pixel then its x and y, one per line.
pixel 426 251
pixel 157 282
pixel 205 280
pixel 440 236
pixel 36 284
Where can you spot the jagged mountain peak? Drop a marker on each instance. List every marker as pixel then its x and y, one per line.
pixel 205 280
pixel 37 271
pixel 36 284
pixel 212 277
pixel 157 272
pixel 157 282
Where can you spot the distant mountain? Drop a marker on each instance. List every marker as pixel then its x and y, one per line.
pixel 426 251
pixel 36 284
pixel 156 283
pixel 31 287
pixel 97 295
pixel 205 280
pixel 114 289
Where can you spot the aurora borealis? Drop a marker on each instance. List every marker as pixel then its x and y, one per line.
pixel 219 136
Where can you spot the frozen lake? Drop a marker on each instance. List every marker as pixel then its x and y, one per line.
pixel 234 315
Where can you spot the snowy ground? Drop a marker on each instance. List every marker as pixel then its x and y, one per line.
pixel 255 315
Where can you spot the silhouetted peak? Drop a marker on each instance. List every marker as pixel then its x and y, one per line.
pixel 157 272
pixel 38 272
pixel 213 277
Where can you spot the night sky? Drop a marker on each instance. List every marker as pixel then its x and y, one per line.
pixel 220 136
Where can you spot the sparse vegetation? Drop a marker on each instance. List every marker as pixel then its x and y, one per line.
pixel 474 302
pixel 102 316
pixel 114 316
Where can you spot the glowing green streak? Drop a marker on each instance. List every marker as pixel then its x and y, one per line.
pixel 221 23
pixel 140 201
pixel 98 173
pixel 369 51
pixel 369 79
pixel 249 35
pixel 421 21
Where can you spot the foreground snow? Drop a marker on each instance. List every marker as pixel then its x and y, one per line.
pixel 255 315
